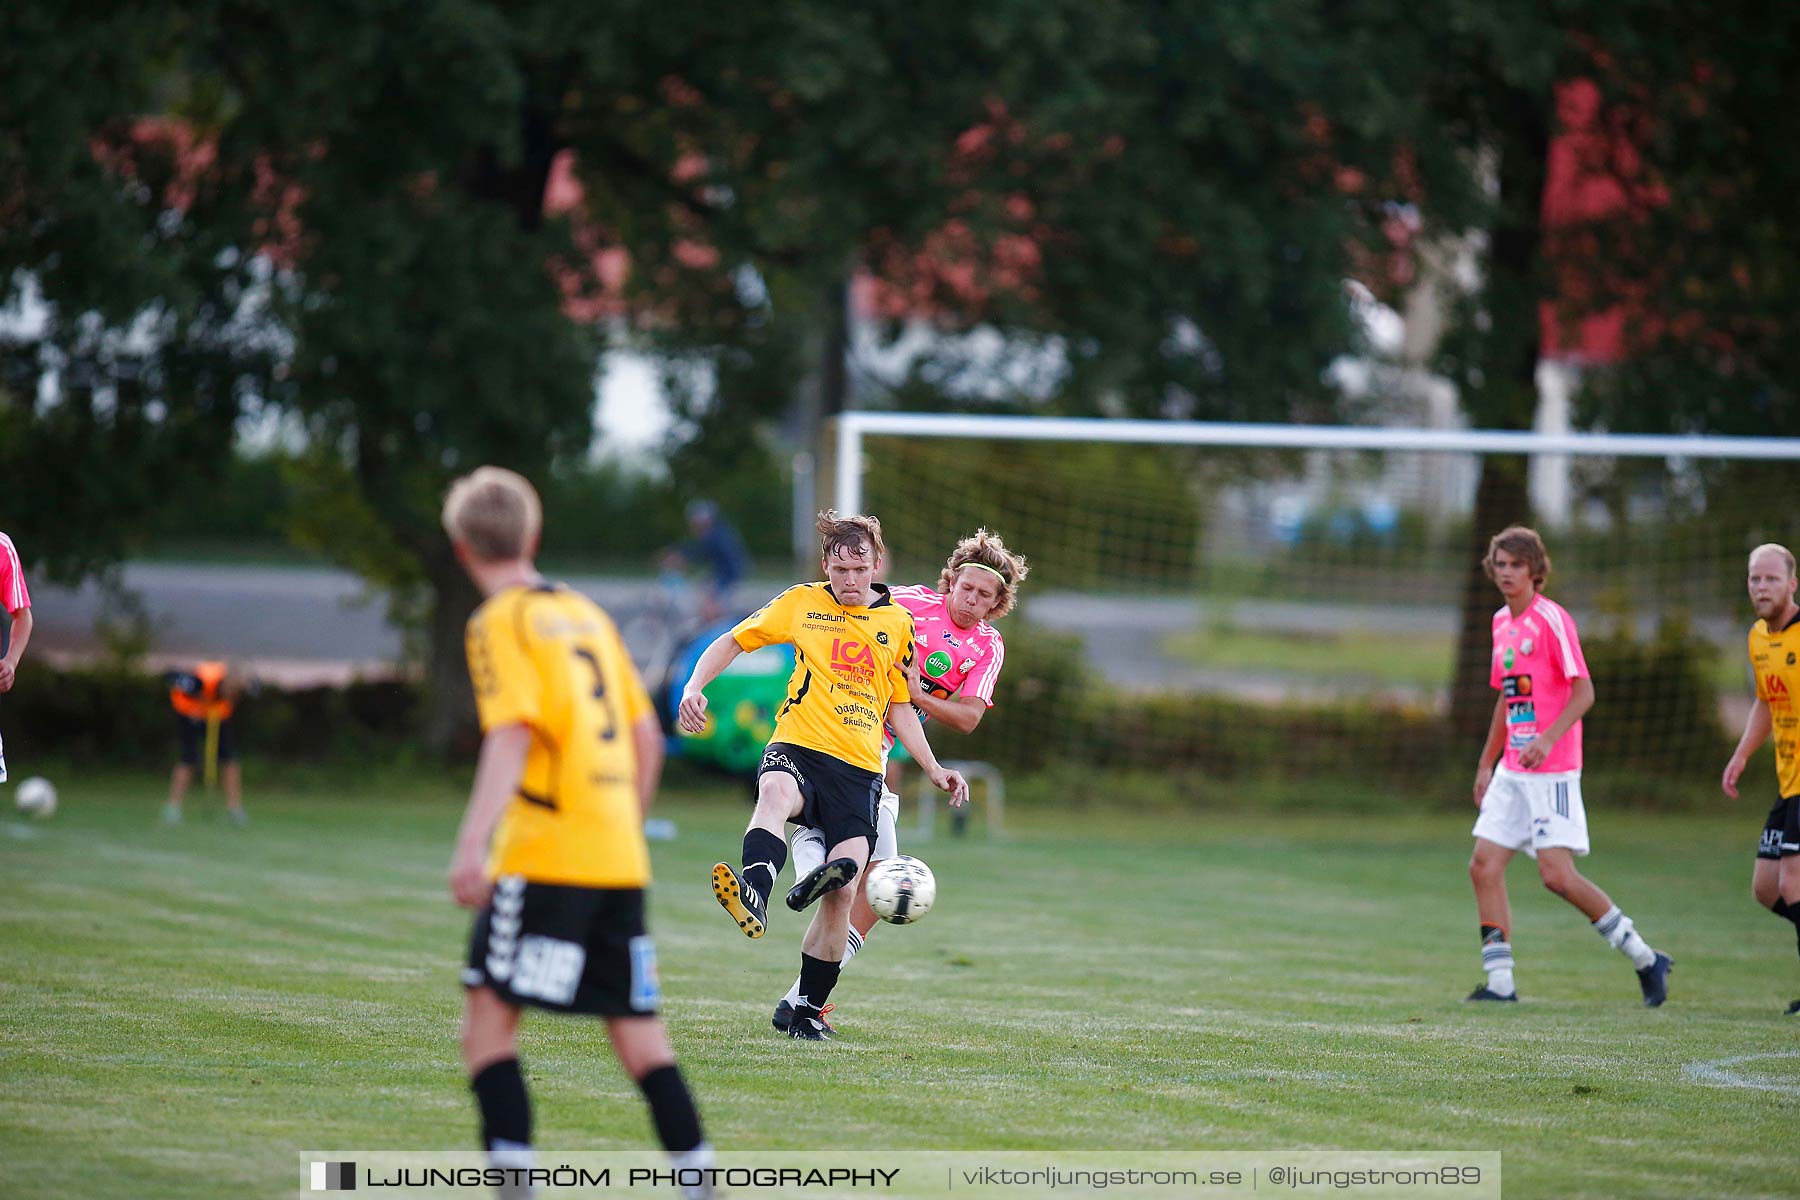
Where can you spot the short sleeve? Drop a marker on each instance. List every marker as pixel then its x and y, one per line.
pixel 980 683
pixel 507 688
pixel 1568 655
pixel 771 624
pixel 898 691
pixel 1496 677
pixel 13 593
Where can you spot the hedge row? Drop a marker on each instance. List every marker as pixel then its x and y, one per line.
pixel 1657 715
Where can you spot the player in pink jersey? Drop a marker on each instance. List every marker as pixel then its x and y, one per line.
pixel 956 662
pixel 1532 800
pixel 16 600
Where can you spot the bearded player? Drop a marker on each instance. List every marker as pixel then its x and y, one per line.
pixel 1774 651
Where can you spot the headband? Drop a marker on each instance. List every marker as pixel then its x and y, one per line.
pixel 984 567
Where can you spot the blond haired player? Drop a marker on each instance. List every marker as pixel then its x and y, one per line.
pixel 551 853
pixel 956 663
pixel 823 767
pixel 1774 649
pixel 1528 778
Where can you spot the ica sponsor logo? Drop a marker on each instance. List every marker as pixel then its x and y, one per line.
pixel 853 658
pixel 1775 686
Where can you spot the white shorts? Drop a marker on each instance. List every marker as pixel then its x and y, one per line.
pixel 809 844
pixel 1533 811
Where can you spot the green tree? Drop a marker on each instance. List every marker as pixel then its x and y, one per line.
pixel 1690 105
pixel 1172 192
pixel 131 340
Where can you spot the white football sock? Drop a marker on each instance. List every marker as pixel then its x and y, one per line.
pixel 1497 961
pixel 1622 936
pixel 699 1158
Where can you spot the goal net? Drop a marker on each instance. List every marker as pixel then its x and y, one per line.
pixel 1219 609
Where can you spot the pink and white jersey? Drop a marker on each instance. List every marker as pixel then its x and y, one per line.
pixel 13 595
pixel 1537 659
pixel 952 660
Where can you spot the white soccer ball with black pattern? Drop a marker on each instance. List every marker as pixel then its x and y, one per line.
pixel 35 797
pixel 901 889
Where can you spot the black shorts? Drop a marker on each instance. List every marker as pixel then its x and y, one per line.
pixel 839 800
pixel 193 738
pixel 566 949
pixel 1781 832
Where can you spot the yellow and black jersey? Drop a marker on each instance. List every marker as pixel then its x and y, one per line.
pixel 1775 657
pixel 847 668
pixel 550 659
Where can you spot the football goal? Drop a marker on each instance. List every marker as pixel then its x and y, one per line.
pixel 1213 602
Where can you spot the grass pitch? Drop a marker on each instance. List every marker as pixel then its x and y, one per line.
pixel 183 1008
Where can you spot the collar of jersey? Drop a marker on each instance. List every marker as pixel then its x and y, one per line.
pixel 881 596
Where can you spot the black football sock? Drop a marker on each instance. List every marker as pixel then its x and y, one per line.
pixel 817 978
pixel 1790 912
pixel 764 856
pixel 505 1107
pixel 671 1108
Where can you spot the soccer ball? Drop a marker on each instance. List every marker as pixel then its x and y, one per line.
pixel 36 796
pixel 901 889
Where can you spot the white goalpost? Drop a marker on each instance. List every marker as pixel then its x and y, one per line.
pixel 854 428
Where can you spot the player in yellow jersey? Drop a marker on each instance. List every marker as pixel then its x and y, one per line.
pixel 551 853
pixel 852 644
pixel 1775 659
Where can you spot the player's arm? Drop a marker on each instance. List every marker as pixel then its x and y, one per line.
pixel 21 633
pixel 692 714
pixel 1490 749
pixel 1581 698
pixel 961 713
pixel 497 773
pixel 1756 731
pixel 912 735
pixel 647 737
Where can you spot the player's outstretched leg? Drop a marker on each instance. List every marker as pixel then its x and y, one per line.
pixel 828 877
pixel 742 902
pixel 744 894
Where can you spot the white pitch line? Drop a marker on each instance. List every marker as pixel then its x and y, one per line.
pixel 1718 1072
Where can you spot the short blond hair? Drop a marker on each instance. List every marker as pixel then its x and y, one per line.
pixel 985 549
pixel 495 512
pixel 1773 548
pixel 849 534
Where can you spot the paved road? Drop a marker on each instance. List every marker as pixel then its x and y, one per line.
pixel 297 623
pixel 306 616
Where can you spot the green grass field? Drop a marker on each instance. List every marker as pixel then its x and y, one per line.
pixel 182 1009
